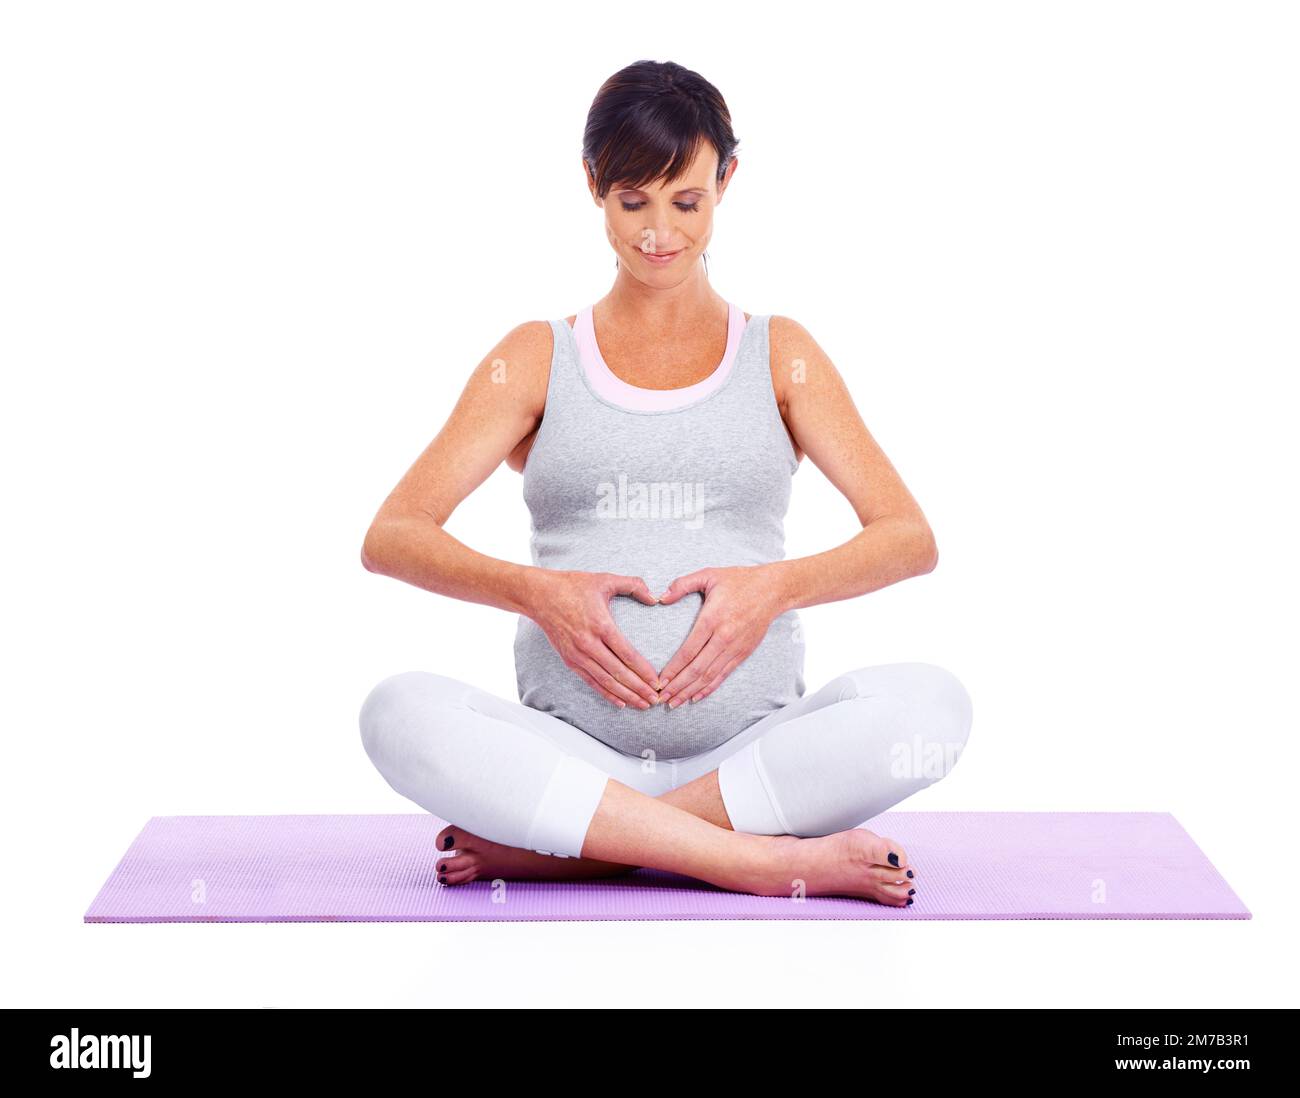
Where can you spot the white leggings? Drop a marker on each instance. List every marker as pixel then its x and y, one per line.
pixel 517 776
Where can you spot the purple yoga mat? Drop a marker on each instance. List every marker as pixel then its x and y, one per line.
pixel 970 865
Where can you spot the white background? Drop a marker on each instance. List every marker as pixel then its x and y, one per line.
pixel 251 252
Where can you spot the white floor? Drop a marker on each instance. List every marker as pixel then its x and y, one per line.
pixel 1089 964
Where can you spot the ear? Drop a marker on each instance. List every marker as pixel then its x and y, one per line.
pixel 590 177
pixel 726 178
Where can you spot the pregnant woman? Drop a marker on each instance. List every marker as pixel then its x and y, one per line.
pixel 662 719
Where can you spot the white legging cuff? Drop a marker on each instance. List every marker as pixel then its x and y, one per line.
pixel 568 805
pixel 747 796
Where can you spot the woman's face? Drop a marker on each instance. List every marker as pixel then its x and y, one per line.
pixel 658 231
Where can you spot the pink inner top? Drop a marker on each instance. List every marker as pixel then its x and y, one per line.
pixel 614 389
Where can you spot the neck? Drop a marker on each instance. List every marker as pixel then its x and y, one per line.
pixel 692 302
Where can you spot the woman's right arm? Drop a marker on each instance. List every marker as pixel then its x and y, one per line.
pixel 501 405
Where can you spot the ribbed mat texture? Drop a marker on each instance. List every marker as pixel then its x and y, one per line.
pixel 380 868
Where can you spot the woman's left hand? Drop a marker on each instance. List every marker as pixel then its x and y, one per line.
pixel 740 603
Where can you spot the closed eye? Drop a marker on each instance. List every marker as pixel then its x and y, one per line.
pixel 685 207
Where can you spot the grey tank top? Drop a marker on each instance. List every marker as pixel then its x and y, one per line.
pixel 659 494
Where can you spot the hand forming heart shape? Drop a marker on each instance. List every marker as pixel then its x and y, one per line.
pixel 572 608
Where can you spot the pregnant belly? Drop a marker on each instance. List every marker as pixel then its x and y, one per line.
pixel 771 677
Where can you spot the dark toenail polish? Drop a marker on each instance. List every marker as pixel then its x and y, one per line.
pixel 909 872
pixel 909 900
pixel 911 892
pixel 893 858
pixel 447 842
pixel 442 880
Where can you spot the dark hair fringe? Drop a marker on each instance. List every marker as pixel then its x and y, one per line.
pixel 648 121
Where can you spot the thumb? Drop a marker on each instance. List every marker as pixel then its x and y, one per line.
pixel 684 585
pixel 634 586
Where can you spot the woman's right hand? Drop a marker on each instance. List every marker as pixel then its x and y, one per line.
pixel 572 609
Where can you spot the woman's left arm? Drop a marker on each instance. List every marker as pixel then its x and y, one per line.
pixel 895 541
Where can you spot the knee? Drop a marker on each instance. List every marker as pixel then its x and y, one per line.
pixel 931 712
pixel 943 711
pixel 395 706
pixel 381 712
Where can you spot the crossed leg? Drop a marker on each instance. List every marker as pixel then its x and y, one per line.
pixel 780 801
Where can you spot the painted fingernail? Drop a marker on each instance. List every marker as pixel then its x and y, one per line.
pixel 442 880
pixel 909 872
pixel 909 901
pixel 911 892
pixel 448 842
pixel 893 858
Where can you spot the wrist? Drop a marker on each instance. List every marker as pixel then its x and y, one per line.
pixel 525 589
pixel 780 585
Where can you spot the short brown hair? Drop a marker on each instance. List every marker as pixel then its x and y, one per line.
pixel 648 121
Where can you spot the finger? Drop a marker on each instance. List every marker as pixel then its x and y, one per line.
pixel 682 685
pixel 682 585
pixel 686 680
pixel 616 666
pixel 717 679
pixel 610 681
pixel 590 681
pixel 634 662
pixel 634 586
pixel 708 672
pixel 597 647
pixel 695 640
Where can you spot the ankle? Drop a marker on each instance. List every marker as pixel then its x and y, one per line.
pixel 762 860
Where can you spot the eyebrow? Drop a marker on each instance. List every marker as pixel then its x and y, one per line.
pixel 684 190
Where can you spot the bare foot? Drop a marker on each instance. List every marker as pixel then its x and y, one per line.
pixel 475 857
pixel 856 863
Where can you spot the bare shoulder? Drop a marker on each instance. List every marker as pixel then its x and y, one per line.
pixel 518 367
pixel 510 387
pixel 527 346
pixel 788 339
pixel 796 357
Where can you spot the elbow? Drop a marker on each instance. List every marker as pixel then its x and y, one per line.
pixel 370 549
pixel 391 538
pixel 927 551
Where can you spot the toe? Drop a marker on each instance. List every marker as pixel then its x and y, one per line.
pixel 458 870
pixel 885 851
pixel 895 855
pixel 884 874
pixel 460 877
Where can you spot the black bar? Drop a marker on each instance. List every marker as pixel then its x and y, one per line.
pixel 806 1049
